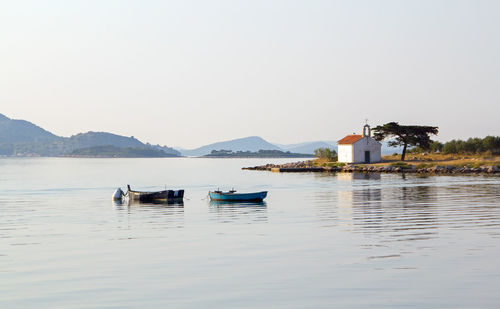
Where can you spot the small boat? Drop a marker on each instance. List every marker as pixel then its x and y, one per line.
pixel 232 196
pixel 155 196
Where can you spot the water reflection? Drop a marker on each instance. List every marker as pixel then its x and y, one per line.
pixel 358 176
pixel 485 213
pixel 400 213
pixel 158 216
pixel 416 208
pixel 366 196
pixel 245 212
pixel 338 205
pixel 118 202
pixel 326 206
pixel 237 204
pixel 167 204
pixel 404 213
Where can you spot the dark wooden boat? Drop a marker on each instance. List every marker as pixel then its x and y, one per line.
pixel 155 196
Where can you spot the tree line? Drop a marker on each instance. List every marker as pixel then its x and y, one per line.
pixel 417 139
pixel 473 145
pixel 326 153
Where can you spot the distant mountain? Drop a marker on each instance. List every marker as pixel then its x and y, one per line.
pixel 252 143
pixel 93 139
pixel 90 139
pixel 166 149
pixel 256 154
pixel 20 137
pixel 21 131
pixel 308 147
pixel 119 152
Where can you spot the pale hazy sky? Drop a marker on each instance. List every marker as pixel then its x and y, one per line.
pixel 188 73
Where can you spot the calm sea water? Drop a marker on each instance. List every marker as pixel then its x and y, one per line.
pixel 318 241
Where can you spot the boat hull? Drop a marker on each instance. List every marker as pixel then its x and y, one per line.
pixel 158 196
pixel 237 197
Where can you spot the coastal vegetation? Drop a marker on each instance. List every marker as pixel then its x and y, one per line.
pixel 326 154
pixel 424 159
pixel 109 151
pixel 326 157
pixel 329 164
pixel 405 136
pixel 425 162
pixel 490 145
pixel 472 153
pixel 428 163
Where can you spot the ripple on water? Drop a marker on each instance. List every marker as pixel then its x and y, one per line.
pixel 317 241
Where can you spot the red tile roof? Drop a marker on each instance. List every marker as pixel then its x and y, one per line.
pixel 350 139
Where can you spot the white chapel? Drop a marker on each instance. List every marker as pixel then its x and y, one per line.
pixel 359 148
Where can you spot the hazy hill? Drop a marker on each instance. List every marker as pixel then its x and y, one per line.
pixel 90 139
pixel 119 152
pixel 168 150
pixel 252 143
pixel 20 137
pixel 307 147
pixel 21 131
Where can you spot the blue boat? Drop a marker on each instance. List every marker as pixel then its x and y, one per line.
pixel 232 196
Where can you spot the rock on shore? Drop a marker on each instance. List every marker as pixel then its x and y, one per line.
pixel 307 166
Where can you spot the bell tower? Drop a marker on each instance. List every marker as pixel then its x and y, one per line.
pixel 366 130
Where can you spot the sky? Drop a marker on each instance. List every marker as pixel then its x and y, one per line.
pixel 189 73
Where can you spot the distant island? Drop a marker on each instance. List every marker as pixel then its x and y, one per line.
pixel 24 139
pixel 258 154
pixel 109 151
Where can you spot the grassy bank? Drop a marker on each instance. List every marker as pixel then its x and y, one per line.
pixel 426 161
pixel 456 160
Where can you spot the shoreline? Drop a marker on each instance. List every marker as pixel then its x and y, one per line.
pixel 306 167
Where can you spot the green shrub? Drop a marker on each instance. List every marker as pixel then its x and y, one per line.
pixel 400 164
pixel 326 153
pixel 474 164
pixel 473 145
pixel 424 165
pixel 334 164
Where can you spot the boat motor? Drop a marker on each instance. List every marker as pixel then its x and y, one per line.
pixel 118 195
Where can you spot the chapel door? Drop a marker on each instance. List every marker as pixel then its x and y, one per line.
pixel 367 157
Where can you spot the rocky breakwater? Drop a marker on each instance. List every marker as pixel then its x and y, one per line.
pixel 308 166
pixel 302 166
